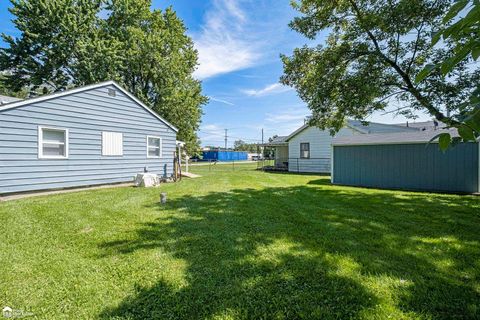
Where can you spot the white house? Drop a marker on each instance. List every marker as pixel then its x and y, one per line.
pixel 308 149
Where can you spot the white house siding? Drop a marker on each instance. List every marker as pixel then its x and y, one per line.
pixel 281 153
pixel 320 150
pixel 281 157
pixel 85 114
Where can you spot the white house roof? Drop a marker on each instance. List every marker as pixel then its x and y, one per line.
pixel 15 104
pixel 392 138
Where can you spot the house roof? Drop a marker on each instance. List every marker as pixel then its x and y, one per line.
pixel 423 125
pixel 276 141
pixel 371 127
pixel 376 127
pixel 417 136
pixel 6 99
pixel 15 104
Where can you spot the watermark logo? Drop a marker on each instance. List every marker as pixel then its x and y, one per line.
pixel 7 312
pixel 10 313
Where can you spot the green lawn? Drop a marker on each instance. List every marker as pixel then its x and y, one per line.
pixel 242 244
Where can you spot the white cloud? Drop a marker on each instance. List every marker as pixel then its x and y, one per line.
pixel 221 101
pixel 211 128
pixel 274 88
pixel 211 134
pixel 285 117
pixel 224 44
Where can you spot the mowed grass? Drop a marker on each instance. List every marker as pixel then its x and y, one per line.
pixel 242 244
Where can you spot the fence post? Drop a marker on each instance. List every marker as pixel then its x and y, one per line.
pixel 233 165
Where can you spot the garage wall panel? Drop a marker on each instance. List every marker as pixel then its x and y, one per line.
pixel 408 166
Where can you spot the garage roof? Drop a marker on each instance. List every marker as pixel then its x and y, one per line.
pixel 392 138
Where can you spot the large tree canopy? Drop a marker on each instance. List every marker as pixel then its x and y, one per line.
pixel 65 43
pixel 373 52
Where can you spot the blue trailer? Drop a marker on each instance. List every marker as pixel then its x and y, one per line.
pixel 216 155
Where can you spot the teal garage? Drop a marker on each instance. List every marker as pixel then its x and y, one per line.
pixel 405 161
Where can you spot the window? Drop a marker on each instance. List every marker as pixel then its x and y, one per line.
pixel 112 144
pixel 154 147
pixel 52 143
pixel 305 150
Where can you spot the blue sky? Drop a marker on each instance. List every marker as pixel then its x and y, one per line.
pixel 239 43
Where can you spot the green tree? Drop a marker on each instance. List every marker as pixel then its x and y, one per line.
pixel 372 55
pixel 464 32
pixel 158 60
pixel 240 145
pixel 67 43
pixel 8 92
pixel 43 56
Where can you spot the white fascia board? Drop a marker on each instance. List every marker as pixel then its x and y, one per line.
pixel 294 133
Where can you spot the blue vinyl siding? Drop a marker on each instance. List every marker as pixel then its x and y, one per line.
pixel 85 114
pixel 408 166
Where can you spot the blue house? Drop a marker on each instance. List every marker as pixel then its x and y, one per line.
pixel 97 134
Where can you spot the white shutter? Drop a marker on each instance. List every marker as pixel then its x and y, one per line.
pixel 112 144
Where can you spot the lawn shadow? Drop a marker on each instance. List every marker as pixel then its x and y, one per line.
pixel 310 252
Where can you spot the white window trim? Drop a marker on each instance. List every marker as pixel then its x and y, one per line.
pixel 118 155
pixel 41 142
pixel 161 147
pixel 301 152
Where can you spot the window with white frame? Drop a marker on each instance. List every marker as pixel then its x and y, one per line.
pixel 304 150
pixel 112 144
pixel 52 143
pixel 154 147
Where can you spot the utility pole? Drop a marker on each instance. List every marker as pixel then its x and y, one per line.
pixel 226 139
pixel 261 149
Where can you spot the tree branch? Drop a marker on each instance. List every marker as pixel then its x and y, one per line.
pixel 415 48
pixel 390 95
pixel 396 110
pixel 397 47
pixel 406 78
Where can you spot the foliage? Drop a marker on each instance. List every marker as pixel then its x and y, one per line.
pixel 4 90
pixel 242 244
pixel 66 43
pixel 240 145
pixel 45 53
pixel 464 33
pixel 372 55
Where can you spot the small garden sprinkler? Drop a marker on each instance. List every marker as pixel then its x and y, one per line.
pixel 163 198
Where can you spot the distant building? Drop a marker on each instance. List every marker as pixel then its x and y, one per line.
pixel 308 149
pixel 392 156
pixel 219 155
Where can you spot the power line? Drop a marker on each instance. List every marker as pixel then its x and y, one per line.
pixel 218 134
pixel 226 137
